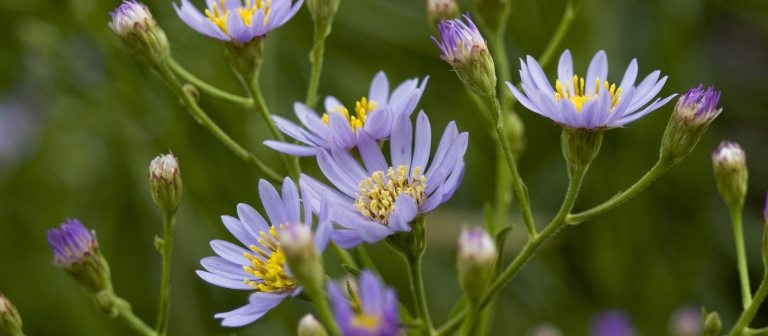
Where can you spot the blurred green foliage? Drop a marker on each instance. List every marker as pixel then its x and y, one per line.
pixel 80 120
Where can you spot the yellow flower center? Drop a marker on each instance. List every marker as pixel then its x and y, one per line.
pixel 268 267
pixel 365 321
pixel 219 12
pixel 574 91
pixel 378 193
pixel 362 108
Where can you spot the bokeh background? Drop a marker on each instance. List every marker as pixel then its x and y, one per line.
pixel 80 119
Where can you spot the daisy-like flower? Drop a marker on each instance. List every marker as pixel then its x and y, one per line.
pixel 591 103
pixel 238 20
pixel 376 114
pixel 373 310
pixel 380 198
pixel 260 266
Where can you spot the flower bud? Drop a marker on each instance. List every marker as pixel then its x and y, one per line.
pixel 464 48
pixel 308 326
pixel 76 251
pixel 323 11
pixel 296 241
pixel 712 324
pixel 165 182
pixel 580 147
pixel 133 23
pixel 439 10
pixel 10 321
pixel 515 130
pixel 477 257
pixel 731 173
pixel 685 321
pixel 693 114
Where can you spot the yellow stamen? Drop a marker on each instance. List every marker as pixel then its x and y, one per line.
pixel 378 192
pixel 573 90
pixel 363 107
pixel 365 321
pixel 219 12
pixel 268 267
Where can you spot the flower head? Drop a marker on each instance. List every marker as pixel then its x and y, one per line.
pixel 699 105
pixel 373 310
pixel 238 21
pixel 693 114
pixel 379 198
pixel 591 103
pixel 464 48
pixel 130 17
pixel 477 256
pixel 10 321
pixel 165 182
pixel 76 251
pixel 340 127
pixel 260 266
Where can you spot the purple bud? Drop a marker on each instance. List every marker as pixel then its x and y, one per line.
pixel 129 17
pixel 72 243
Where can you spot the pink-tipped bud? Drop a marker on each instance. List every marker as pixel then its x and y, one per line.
pixel 165 182
pixel 730 164
pixel 477 257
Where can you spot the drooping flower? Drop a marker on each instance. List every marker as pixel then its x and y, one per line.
pixel 238 21
pixel 380 198
pixel 338 126
pixel 372 311
pixel 591 103
pixel 76 251
pixel 260 266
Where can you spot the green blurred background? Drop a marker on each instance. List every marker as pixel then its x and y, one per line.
pixel 80 119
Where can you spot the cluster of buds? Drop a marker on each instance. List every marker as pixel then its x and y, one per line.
pixel 10 321
pixel 693 114
pixel 76 251
pixel 477 257
pixel 165 182
pixel 440 10
pixel 464 48
pixel 134 24
pixel 731 174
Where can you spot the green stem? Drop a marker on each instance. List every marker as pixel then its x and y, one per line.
pixel 500 58
pixel 320 300
pixel 204 120
pixel 656 171
pixel 417 287
pixel 519 188
pixel 169 221
pixel 205 87
pixel 738 236
pixel 291 162
pixel 526 253
pixel 557 39
pixel 751 310
pixel 322 30
pixel 126 316
pixel 365 259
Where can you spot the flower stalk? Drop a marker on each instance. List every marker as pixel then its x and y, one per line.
pixel 323 12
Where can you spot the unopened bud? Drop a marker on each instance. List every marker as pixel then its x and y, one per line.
pixel 464 48
pixel 133 23
pixel 165 182
pixel 10 321
pixel 323 11
pixel 712 324
pixel 731 174
pixel 439 10
pixel 308 326
pixel 477 257
pixel 76 251
pixel 686 321
pixel 693 114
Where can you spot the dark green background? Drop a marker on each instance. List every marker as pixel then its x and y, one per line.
pixel 92 117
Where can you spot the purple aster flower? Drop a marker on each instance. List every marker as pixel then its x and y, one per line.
pixel 238 20
pixel 72 244
pixel 380 198
pixel 260 265
pixel 593 103
pixel 612 323
pixel 129 17
pixel 699 104
pixel 461 42
pixel 372 311
pixel 376 114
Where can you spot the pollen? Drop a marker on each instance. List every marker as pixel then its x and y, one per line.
pixel 219 12
pixel 378 192
pixel 267 264
pixel 363 108
pixel 574 91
